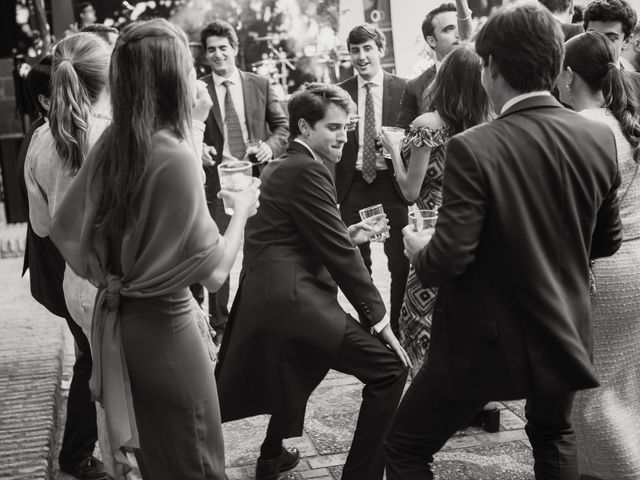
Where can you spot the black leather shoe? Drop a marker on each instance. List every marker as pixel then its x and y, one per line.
pixel 88 469
pixel 488 419
pixel 270 469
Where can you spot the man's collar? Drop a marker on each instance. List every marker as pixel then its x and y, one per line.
pixel 304 144
pixel 519 98
pixel 378 79
pixel 233 78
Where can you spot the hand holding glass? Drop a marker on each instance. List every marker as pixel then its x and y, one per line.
pixel 234 177
pixel 422 219
pixel 253 147
pixel 377 219
pixel 393 135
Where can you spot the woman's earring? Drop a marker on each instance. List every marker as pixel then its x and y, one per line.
pixel 570 93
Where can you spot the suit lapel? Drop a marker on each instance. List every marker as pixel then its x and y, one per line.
pixel 215 109
pixel 250 96
pixel 351 86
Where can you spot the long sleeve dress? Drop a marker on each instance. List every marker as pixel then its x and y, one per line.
pixel 152 370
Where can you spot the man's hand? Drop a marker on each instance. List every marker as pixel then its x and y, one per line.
pixel 415 241
pixel 362 232
pixel 264 153
pixel 390 339
pixel 207 155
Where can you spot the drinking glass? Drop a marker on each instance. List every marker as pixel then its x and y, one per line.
pixel 375 217
pixel 392 132
pixel 423 219
pixel 234 176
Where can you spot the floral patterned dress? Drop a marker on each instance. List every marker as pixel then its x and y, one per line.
pixel 417 306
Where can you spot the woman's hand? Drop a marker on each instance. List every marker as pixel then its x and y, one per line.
pixel 244 202
pixel 390 339
pixel 390 142
pixel 362 232
pixel 202 102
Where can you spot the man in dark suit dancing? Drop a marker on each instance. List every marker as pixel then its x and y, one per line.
pixel 286 327
pixel 443 28
pixel 244 108
pixel 529 198
pixel 363 177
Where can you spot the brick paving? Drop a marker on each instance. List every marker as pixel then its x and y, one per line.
pixel 36 357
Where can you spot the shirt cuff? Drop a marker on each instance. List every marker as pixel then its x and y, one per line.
pixel 378 327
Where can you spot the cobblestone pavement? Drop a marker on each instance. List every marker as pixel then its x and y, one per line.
pixel 36 356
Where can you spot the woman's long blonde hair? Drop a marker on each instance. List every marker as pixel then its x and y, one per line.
pixel 80 74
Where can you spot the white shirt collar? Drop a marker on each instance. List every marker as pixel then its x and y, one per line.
pixel 523 96
pixel 377 80
pixel 302 142
pixel 233 78
pixel 438 65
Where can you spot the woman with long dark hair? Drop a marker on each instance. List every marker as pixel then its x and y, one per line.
pixel 135 223
pixel 607 419
pixel 454 102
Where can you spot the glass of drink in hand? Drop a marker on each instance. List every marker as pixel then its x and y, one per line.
pixel 234 176
pixel 423 219
pixel 253 147
pixel 375 217
pixel 392 132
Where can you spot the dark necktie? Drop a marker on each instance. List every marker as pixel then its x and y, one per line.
pixel 369 141
pixel 237 147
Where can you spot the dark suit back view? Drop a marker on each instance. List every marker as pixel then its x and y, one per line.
pixel 528 199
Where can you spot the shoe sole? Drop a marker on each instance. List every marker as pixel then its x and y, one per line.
pixel 275 476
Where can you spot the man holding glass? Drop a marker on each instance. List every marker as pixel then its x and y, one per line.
pixel 364 177
pixel 245 122
pixel 286 328
pixel 528 199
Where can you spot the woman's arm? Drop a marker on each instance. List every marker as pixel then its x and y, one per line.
pixel 409 179
pixel 245 204
pixel 463 16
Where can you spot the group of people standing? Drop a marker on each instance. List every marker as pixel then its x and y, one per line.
pixel 510 296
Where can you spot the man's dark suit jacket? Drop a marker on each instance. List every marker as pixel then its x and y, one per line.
pixel 392 88
pixel 286 326
pixel 41 257
pixel 265 118
pixel 411 103
pixel 529 198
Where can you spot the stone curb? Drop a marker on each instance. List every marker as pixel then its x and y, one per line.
pixel 31 362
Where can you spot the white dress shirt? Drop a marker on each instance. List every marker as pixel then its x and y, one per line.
pixel 523 96
pixel 238 102
pixel 376 91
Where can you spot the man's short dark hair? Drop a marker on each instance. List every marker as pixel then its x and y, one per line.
pixel 219 28
pixel 556 6
pixel 81 7
pixel 365 32
pixel 526 44
pixel 39 82
pixel 312 101
pixel 100 30
pixel 427 23
pixel 611 11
